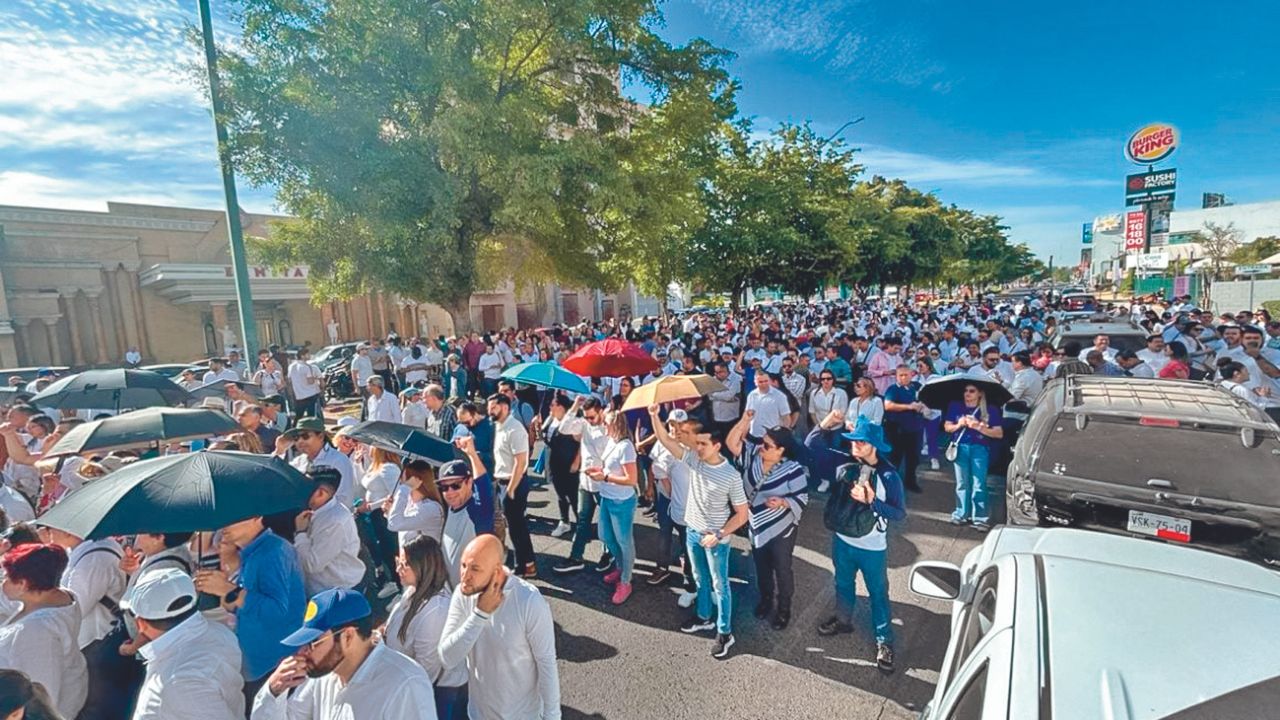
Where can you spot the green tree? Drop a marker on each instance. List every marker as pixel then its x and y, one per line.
pixel 1255 251
pixel 433 148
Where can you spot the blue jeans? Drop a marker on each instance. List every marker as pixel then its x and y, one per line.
pixel 451 702
pixel 711 573
pixel 849 561
pixel 616 518
pixel 971 482
pixel 587 503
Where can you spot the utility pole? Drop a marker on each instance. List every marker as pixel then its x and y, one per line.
pixel 240 268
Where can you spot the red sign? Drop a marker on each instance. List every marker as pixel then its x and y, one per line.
pixel 1135 230
pixel 1152 143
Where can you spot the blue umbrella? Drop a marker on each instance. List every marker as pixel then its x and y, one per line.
pixel 547 375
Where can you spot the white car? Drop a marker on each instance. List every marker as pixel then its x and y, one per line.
pixel 1065 624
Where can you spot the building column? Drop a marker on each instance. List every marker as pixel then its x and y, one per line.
pixel 51 336
pixel 139 315
pixel 381 300
pixel 126 331
pixel 219 310
pixel 73 323
pixel 368 316
pixel 99 332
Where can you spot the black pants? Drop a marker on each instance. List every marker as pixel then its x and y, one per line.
pixel 773 569
pixel 251 688
pixel 906 451
pixel 309 407
pixel 682 536
pixel 565 481
pixel 515 507
pixel 382 543
pixel 113 680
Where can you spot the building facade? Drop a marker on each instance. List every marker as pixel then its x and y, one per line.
pixel 80 288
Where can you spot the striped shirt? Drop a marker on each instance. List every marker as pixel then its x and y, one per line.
pixel 787 480
pixel 713 492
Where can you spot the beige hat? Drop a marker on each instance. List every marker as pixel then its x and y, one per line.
pixel 213 403
pixel 93 470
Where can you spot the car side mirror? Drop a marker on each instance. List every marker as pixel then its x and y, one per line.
pixel 938 580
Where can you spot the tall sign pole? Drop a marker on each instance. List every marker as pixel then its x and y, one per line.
pixel 240 267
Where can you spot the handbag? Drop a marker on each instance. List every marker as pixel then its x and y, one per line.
pixel 844 515
pixel 953 448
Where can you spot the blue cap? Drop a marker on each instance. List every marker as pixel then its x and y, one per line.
pixel 44 371
pixel 326 611
pixel 868 432
pixel 455 469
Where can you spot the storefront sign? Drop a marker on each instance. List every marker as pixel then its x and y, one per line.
pixel 1105 224
pixel 1153 261
pixel 1086 234
pixel 1152 144
pixel 1144 187
pixel 259 272
pixel 1135 230
pixel 1256 269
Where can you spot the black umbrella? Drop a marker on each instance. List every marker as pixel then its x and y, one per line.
pixel 116 388
pixel 939 393
pixel 218 389
pixel 405 440
pixel 194 492
pixel 144 427
pixel 14 395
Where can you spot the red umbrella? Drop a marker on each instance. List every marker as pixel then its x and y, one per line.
pixel 610 358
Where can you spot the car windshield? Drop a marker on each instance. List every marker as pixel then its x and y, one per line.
pixel 326 353
pixel 1118 342
pixel 1126 452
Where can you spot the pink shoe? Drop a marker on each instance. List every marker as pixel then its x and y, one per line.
pixel 622 593
pixel 613 577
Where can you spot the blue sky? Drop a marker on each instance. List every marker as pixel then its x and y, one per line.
pixel 1019 109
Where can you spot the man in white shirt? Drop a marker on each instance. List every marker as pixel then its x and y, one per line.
pixel 381 404
pixel 132 358
pixel 502 627
pixel 1027 382
pixel 339 671
pixel 993 368
pixel 361 368
pixel 327 542
pixel 193 665
pixel 770 406
pixel 311 446
pixel 304 380
pixel 1102 344
pixel 218 370
pixel 415 411
pixel 1133 366
pixel 1153 354
pixel 510 462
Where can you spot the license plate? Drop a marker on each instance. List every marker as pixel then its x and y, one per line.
pixel 1161 526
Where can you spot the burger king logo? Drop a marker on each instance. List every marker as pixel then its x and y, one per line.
pixel 1152 144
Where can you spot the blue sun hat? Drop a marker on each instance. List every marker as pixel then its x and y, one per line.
pixel 326 611
pixel 869 432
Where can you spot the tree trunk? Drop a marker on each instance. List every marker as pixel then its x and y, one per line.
pixel 460 311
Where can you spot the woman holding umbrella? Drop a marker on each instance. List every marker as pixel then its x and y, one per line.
pixel 975 427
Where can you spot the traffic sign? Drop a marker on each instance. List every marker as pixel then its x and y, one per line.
pixel 1256 269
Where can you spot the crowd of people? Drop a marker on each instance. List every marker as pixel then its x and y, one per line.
pixel 404 588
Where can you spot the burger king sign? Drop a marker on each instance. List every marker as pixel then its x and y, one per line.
pixel 1152 144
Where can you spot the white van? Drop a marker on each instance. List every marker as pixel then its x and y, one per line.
pixel 1064 624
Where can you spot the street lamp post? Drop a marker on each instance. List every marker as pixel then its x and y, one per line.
pixel 240 268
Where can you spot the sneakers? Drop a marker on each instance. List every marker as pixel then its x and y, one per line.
pixel 571 565
pixel 781 619
pixel 884 657
pixel 529 572
pixel 561 530
pixel 834 626
pixel 696 624
pixel 612 577
pixel 933 464
pixel 824 486
pixel 622 593
pixel 720 650
pixel 660 577
pixel 959 521
pixel 981 526
pixel 686 599
pixel 605 564
pixel 388 590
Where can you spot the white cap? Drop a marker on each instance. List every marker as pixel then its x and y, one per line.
pixel 160 594
pixel 678 415
pixel 347 420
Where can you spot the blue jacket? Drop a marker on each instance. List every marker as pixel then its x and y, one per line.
pixel 274 605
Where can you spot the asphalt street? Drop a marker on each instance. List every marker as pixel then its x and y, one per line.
pixel 632 662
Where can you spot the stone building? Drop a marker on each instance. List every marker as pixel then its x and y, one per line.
pixel 79 288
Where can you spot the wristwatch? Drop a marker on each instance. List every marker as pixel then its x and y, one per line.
pixel 719 535
pixel 234 595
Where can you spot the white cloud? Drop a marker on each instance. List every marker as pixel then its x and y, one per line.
pixel 920 169
pixel 92 191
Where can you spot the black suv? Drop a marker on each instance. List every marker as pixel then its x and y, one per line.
pixel 1178 461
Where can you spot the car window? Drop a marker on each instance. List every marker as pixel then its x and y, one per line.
pixel 970 703
pixel 980 616
pixel 1125 452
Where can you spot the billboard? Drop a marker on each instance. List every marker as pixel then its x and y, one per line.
pixel 1151 144
pixel 1147 186
pixel 1086 234
pixel 1135 230
pixel 1107 224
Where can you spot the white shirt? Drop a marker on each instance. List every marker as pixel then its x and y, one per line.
pixel 1142 370
pixel 361 369
pixel 383 407
pixel 669 466
pixel 1109 353
pixel 617 454
pixel 415 414
pixel 594 442
pixel 329 550
pixel 1157 360
pixel 411 519
pixel 332 457
pixel 43 645
pixel 90 576
pixel 822 403
pixel 871 408
pixel 16 507
pixel 193 673
pixel 516 644
pixel 387 686
pixel 133 357
pixel 770 407
pixel 225 373
pixel 724 403
pixel 1001 373
pixel 510 438
pixel 304 378
pixel 270 381
pixel 422 641
pixel 1026 385
pixel 378 484
pixel 490 365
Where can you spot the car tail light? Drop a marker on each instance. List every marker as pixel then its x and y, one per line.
pixel 1158 422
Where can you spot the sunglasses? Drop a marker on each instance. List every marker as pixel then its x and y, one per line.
pixel 970 390
pixel 450 487
pixel 828 379
pixel 304 435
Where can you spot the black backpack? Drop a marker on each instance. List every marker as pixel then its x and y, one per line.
pixel 844 515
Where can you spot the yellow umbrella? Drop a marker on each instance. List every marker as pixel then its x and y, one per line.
pixel 670 389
